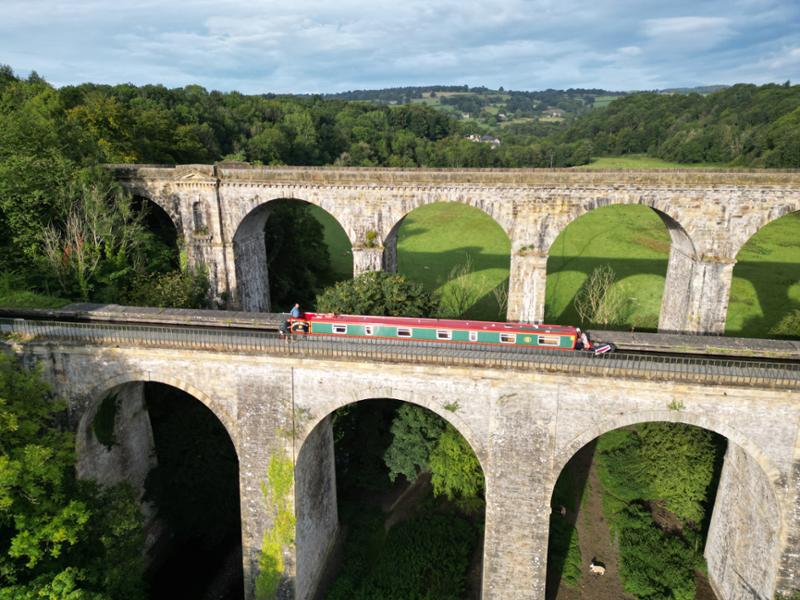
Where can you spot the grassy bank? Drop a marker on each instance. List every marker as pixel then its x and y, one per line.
pixel 766 279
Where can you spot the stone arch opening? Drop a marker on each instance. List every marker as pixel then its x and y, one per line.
pixel 663 484
pixel 458 250
pixel 164 239
pixel 343 484
pixel 765 289
pixel 182 465
pixel 645 251
pixel 286 251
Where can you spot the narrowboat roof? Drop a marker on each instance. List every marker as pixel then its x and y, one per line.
pixel 439 323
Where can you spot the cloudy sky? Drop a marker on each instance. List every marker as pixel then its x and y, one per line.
pixel 300 46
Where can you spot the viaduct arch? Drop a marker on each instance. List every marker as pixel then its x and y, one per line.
pixel 752 525
pixel 709 214
pixel 317 515
pixel 524 425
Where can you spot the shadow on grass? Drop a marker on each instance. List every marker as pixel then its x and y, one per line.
pixel 563 295
pixel 771 282
pixel 563 553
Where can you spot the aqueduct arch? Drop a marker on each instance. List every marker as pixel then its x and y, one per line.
pixel 766 278
pixel 250 255
pixel 749 516
pixel 316 506
pixel 677 301
pixel 389 254
pixel 139 430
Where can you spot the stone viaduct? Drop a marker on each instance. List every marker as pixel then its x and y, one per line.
pixel 524 423
pixel 221 211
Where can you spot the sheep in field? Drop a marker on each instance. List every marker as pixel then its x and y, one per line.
pixel 597 568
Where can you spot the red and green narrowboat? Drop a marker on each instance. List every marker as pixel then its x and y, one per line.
pixel 526 335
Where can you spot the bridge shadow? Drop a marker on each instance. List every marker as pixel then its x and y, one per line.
pixel 433 270
pixel 771 302
pixel 770 283
pixel 566 274
pixel 565 505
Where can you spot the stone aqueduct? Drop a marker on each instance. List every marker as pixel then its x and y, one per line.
pixel 524 424
pixel 221 211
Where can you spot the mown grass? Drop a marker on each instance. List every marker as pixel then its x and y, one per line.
pixel 631 239
pixel 435 238
pixel 641 161
pixel 766 279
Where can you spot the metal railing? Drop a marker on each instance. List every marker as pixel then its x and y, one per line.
pixel 646 366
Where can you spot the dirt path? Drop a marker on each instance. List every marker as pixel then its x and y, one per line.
pixel 594 540
pixel 403 507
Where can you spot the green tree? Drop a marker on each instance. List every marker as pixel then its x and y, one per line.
pixel 59 538
pixel 655 565
pixel 455 470
pixel 667 462
pixel 415 433
pixel 98 242
pixel 174 289
pixel 378 293
pixel 423 442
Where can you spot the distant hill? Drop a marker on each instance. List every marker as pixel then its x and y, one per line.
pixel 501 110
pixel 700 89
pixel 489 109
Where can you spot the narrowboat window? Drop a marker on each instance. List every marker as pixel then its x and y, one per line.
pixel 549 340
pixel 508 338
pixel 340 329
pixel 473 336
pixel 403 332
pixel 444 334
pixel 368 329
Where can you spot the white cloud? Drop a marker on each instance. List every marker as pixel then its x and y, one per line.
pixel 689 33
pixel 630 51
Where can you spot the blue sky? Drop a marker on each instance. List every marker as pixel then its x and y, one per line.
pixel 257 46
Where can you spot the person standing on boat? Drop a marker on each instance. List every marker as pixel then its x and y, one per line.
pixel 295 312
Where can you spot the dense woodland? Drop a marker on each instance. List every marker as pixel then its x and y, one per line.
pixel 67 230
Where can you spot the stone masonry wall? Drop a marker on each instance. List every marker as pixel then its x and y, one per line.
pixel 743 524
pixel 317 515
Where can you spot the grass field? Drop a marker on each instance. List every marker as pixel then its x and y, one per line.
pixel 641 161
pixel 435 238
pixel 766 279
pixel 603 101
pixel 631 239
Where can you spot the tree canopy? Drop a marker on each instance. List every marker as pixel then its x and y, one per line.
pixel 59 538
pixel 378 293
